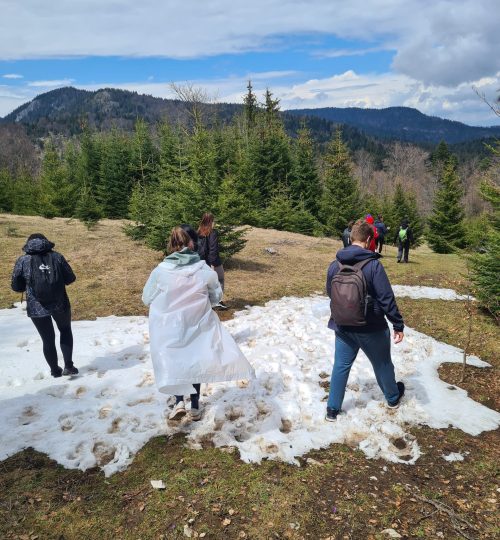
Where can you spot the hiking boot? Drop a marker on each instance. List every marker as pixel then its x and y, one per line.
pixel 331 414
pixel 178 411
pixel 195 414
pixel 70 370
pixel 395 404
pixel 220 306
pixel 56 372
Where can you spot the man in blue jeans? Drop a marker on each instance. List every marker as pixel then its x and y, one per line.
pixel 373 338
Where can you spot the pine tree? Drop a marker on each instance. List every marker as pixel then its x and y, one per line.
pixel 144 157
pixel 304 183
pixel 485 265
pixel 115 182
pixel 51 182
pixel 250 106
pixel 340 202
pixel 6 191
pixel 446 231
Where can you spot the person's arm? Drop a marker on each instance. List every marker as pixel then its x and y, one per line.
pixel 410 235
pixel 332 270
pixel 213 249
pixel 214 288
pixel 384 296
pixel 68 274
pixel 18 283
pixel 151 290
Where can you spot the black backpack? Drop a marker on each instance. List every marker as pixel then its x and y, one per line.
pixel 46 278
pixel 349 295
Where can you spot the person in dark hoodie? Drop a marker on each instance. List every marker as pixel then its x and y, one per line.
pixel 382 231
pixel 403 239
pixel 372 336
pixel 346 235
pixel 43 274
pixel 208 249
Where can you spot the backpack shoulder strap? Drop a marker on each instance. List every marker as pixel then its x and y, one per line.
pixel 361 264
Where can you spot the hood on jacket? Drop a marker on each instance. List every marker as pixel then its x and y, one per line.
pixel 184 257
pixel 354 254
pixel 38 246
pixel 405 224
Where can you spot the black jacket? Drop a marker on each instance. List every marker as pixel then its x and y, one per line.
pixel 22 273
pixel 208 249
pixel 346 237
pixel 409 236
pixel 379 288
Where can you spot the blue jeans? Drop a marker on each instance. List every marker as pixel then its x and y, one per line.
pixel 377 347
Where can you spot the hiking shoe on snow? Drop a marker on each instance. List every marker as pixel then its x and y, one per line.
pixel 395 404
pixel 56 372
pixel 70 371
pixel 178 411
pixel 220 306
pixel 195 414
pixel 331 414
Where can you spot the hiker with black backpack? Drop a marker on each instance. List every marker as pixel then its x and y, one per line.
pixel 403 239
pixel 361 297
pixel 43 274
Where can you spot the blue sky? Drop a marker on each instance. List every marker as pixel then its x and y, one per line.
pixel 310 54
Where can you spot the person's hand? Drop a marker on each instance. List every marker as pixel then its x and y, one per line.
pixel 398 336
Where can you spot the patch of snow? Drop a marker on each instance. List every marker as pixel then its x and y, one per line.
pixel 453 456
pixel 432 293
pixel 107 413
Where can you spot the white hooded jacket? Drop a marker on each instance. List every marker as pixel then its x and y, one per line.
pixel 188 343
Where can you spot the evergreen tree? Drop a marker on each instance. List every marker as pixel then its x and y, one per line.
pixel 304 183
pixel 25 194
pixel 340 202
pixel 485 265
pixel 6 191
pixel 144 157
pixel 233 207
pixel 87 209
pixel 404 207
pixel 51 182
pixel 446 232
pixel 250 106
pixel 115 182
pixel 285 214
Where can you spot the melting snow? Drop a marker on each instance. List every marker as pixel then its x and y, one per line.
pixel 453 456
pixel 105 415
pixel 432 293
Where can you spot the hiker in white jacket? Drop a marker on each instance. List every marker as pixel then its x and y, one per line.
pixel 189 345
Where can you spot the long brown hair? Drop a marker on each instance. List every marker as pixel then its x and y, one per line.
pixel 179 239
pixel 206 224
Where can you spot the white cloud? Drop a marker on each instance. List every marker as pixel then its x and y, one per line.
pixel 339 53
pixel 12 76
pixel 51 84
pixel 436 41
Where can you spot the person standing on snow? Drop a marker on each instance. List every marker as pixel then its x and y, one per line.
pixel 189 345
pixel 361 297
pixel 373 242
pixel 346 235
pixel 44 274
pixel 382 231
pixel 403 238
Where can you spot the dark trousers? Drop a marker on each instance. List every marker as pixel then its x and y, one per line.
pixel 403 251
pixel 195 398
pixel 45 328
pixel 380 243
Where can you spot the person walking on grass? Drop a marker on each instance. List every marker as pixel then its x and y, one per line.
pixel 346 235
pixel 382 231
pixel 43 274
pixel 361 297
pixel 189 345
pixel 404 239
pixel 373 242
pixel 208 249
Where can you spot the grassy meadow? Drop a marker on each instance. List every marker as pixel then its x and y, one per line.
pixel 212 493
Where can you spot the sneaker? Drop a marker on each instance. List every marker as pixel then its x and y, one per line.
pixel 395 404
pixel 221 306
pixel 399 260
pixel 56 372
pixel 178 411
pixel 195 414
pixel 331 414
pixel 71 370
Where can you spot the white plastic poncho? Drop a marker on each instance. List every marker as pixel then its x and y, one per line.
pixel 188 342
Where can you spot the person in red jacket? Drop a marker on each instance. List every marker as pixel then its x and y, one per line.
pixel 373 242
